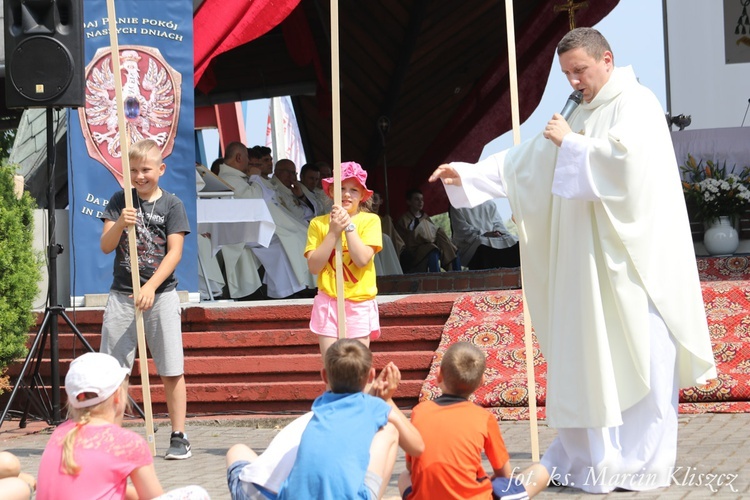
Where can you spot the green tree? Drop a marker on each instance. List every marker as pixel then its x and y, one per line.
pixel 19 269
pixel 7 138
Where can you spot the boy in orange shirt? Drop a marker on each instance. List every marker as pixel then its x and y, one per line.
pixel 455 432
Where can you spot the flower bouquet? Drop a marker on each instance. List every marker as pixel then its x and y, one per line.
pixel 715 192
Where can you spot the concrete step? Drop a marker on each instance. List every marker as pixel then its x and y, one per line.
pixel 261 368
pixel 263 358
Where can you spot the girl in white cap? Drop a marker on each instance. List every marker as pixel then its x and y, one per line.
pixel 91 455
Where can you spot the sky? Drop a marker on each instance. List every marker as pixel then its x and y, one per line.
pixel 635 33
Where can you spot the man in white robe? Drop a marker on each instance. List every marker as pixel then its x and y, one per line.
pixel 289 192
pixel 286 269
pixel 610 272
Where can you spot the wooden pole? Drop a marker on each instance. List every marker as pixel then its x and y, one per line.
pixel 132 243
pixel 528 344
pixel 336 137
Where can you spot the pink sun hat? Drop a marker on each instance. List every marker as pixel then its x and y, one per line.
pixel 349 170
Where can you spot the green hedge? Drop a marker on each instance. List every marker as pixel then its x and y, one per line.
pixel 19 269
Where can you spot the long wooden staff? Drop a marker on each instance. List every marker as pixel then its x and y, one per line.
pixel 336 137
pixel 132 243
pixel 529 347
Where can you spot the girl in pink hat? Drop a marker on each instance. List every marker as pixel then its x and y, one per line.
pixel 363 238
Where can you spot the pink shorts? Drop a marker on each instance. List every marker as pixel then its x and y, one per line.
pixel 362 318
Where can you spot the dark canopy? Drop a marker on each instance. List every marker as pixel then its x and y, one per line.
pixel 438 70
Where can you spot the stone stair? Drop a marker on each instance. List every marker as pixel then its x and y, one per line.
pixel 260 357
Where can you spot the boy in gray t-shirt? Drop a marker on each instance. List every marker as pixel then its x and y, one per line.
pixel 161 225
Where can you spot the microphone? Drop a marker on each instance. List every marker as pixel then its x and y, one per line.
pixel 573 101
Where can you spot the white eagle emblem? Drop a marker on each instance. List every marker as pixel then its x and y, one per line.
pixel 150 93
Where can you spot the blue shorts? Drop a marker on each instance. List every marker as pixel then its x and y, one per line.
pixel 245 491
pixel 503 488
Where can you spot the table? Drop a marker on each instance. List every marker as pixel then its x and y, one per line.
pixel 730 145
pixel 233 221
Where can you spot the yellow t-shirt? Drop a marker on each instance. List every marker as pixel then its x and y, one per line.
pixel 359 283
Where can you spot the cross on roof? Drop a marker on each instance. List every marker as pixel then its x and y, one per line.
pixel 571 7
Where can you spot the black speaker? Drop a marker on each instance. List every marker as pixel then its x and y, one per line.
pixel 44 53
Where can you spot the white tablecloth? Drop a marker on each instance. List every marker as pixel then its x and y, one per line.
pixel 730 145
pixel 232 221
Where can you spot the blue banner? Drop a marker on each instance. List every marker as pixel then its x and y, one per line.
pixel 156 61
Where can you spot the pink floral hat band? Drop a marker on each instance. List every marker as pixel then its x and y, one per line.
pixel 349 170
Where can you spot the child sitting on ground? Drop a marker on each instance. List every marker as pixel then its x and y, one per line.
pixel 90 455
pixel 455 432
pixel 14 484
pixel 254 477
pixel 349 447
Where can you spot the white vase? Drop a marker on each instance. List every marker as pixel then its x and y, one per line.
pixel 721 237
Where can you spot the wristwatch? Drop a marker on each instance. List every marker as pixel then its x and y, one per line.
pixel 351 227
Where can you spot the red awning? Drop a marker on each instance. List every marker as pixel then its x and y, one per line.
pixel 221 25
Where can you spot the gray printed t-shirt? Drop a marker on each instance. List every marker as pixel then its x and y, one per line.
pixel 155 222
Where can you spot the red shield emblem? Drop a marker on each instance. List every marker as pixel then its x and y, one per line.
pixel 151 94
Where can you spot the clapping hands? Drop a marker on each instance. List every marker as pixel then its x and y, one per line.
pixel 386 383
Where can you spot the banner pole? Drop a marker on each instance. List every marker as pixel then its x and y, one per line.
pixel 528 343
pixel 336 137
pixel 132 243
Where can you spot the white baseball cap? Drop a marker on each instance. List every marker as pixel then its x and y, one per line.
pixel 94 372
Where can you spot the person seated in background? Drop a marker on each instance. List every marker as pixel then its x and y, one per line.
pixel 309 177
pixel 387 259
pixel 259 173
pixel 386 222
pixel 240 263
pixel 266 160
pixel 482 239
pixel 426 245
pixel 289 192
pixel 286 270
pixel 14 484
pixel 325 172
pixel 216 165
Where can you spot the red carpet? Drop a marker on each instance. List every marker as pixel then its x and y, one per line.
pixel 494 322
pixel 736 267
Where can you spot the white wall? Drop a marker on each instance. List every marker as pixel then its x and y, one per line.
pixel 715 94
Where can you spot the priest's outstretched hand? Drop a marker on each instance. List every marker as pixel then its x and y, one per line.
pixel 448 175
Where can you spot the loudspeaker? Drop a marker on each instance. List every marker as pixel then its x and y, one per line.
pixel 44 53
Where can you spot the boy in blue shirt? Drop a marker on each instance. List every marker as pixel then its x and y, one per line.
pixel 349 448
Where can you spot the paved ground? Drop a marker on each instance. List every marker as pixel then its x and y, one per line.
pixel 713 454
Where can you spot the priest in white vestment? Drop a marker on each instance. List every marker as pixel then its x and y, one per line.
pixel 290 194
pixel 609 270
